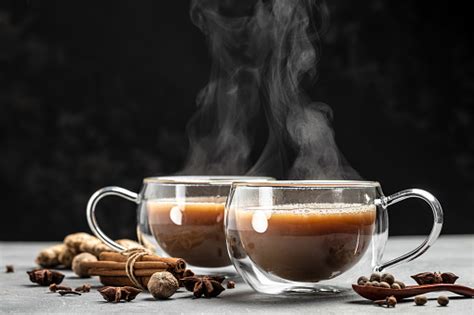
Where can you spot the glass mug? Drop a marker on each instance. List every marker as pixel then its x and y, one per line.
pixel 306 236
pixel 182 215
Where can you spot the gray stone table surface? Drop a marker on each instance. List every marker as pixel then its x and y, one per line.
pixel 450 253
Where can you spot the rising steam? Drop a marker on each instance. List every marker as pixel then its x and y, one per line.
pixel 263 52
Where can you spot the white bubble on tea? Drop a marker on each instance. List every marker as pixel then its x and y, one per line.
pixel 259 221
pixel 176 215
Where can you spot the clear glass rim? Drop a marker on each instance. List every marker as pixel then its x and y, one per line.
pixel 205 179
pixel 322 184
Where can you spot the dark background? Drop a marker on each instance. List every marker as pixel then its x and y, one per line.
pixel 97 93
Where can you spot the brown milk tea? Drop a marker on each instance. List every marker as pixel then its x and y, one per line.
pixel 307 242
pixel 193 230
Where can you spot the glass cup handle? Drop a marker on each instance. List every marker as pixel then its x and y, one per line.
pixel 94 199
pixel 435 230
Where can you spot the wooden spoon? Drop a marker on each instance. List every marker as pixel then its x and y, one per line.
pixel 378 293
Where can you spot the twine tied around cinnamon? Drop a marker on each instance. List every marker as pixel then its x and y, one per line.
pixel 133 254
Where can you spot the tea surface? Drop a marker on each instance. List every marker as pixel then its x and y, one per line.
pixel 306 242
pixel 193 230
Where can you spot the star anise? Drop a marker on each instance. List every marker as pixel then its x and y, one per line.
pixel 116 294
pixel 209 286
pixel 434 277
pixel 45 276
pixel 449 277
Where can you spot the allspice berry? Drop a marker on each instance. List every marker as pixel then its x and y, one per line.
pixel 78 264
pixel 395 286
pixel 387 277
pixel 420 300
pixel 443 300
pixel 384 284
pixel 162 285
pixel 375 277
pixel 391 301
pixel 362 280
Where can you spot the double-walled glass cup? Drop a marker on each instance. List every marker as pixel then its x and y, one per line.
pixel 182 215
pixel 307 236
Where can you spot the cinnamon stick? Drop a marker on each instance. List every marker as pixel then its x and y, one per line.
pixel 121 265
pixel 176 264
pixel 118 273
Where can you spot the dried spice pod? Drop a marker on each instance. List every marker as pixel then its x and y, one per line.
pixel 434 277
pixel 449 277
pixel 117 294
pixel 424 278
pixel 68 292
pixel 45 277
pixel 54 287
pixel 209 286
pixel 83 288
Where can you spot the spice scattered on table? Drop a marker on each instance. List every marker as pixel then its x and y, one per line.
pixel 68 292
pixel 230 284
pixel 9 269
pixel 55 287
pixel 390 301
pixel 420 300
pixel 209 286
pixel 117 294
pixel 45 277
pixel 162 285
pixel 443 300
pixel 83 288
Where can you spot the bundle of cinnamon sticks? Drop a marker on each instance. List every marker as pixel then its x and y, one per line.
pixel 111 268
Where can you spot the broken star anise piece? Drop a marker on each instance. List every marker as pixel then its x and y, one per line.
pixel 116 294
pixel 434 277
pixel 209 286
pixel 45 277
pixel 449 277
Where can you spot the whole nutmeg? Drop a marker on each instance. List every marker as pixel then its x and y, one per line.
pixel 362 280
pixel 375 277
pixel 400 283
pixel 375 283
pixel 443 300
pixel 387 277
pixel 420 300
pixel 396 286
pixel 384 284
pixel 162 285
pixel 78 264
